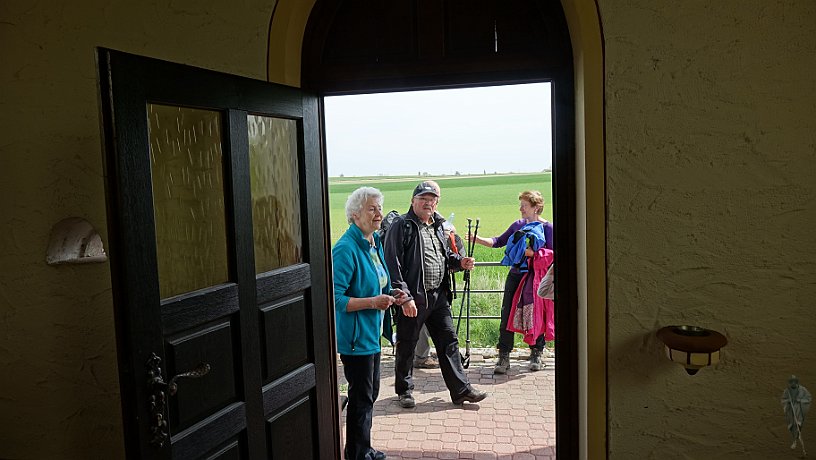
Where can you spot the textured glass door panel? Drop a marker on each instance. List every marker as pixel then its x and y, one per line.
pixel 188 198
pixel 275 192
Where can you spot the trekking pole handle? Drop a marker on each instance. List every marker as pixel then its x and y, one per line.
pixel 473 244
pixel 471 239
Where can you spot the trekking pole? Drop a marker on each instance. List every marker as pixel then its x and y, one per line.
pixel 452 242
pixel 465 282
pixel 466 360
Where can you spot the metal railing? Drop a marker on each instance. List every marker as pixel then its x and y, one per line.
pixel 460 292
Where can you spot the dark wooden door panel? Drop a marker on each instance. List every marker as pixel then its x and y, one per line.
pixel 284 332
pixel 209 173
pixel 281 392
pixel 212 344
pixel 290 431
pixel 391 37
pixel 279 283
pixel 434 44
pixel 469 28
pixel 231 451
pixel 185 311
pixel 209 435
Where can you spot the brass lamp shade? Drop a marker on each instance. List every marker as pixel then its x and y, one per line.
pixel 691 346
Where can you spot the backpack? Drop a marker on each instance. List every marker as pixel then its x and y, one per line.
pixel 389 319
pixel 388 219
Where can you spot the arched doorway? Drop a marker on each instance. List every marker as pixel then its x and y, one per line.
pixel 286 29
pixel 425 45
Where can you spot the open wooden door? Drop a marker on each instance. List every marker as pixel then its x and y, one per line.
pixel 217 226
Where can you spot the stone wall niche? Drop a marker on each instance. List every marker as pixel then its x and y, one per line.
pixel 74 241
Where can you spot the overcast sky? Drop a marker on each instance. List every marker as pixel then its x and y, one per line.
pixel 493 129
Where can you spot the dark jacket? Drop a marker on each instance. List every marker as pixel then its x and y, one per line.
pixel 403 256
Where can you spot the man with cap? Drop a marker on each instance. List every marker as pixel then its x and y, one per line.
pixel 418 261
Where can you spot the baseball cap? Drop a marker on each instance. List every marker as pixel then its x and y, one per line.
pixel 425 187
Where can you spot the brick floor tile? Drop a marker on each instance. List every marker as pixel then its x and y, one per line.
pixel 397 444
pixel 522 441
pixel 504 448
pixel 416 436
pixel 402 428
pixel 485 446
pixel 467 446
pixel 523 456
pixel 430 447
pixel 435 429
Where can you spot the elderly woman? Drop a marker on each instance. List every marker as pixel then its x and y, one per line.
pixel 361 295
pixel 531 204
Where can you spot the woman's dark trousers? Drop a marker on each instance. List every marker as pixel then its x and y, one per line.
pixel 506 337
pixel 363 377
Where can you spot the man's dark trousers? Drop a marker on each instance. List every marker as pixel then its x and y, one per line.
pixel 440 327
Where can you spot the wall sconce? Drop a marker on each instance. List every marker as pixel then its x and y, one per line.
pixel 691 346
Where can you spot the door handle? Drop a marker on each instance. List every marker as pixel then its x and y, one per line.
pixel 199 371
pixel 158 398
pixel 157 382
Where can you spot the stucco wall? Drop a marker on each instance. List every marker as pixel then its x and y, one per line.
pixel 710 145
pixel 711 141
pixel 59 390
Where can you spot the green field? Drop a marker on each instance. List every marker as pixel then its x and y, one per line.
pixel 493 199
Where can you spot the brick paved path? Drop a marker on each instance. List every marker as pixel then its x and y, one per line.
pixel 516 421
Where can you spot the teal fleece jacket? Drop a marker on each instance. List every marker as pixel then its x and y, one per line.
pixel 358 332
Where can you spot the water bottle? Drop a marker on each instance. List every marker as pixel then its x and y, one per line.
pixel 447 226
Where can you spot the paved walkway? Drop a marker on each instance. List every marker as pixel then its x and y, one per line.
pixel 516 421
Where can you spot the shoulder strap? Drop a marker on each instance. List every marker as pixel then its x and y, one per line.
pixel 406 234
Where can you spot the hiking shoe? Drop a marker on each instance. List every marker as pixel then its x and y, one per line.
pixel 471 395
pixel 535 360
pixel 428 363
pixel 372 453
pixel 547 353
pixel 407 401
pixel 503 364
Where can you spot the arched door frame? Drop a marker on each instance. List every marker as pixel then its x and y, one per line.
pixel 287 27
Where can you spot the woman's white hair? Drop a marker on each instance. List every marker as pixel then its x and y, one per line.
pixel 358 198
